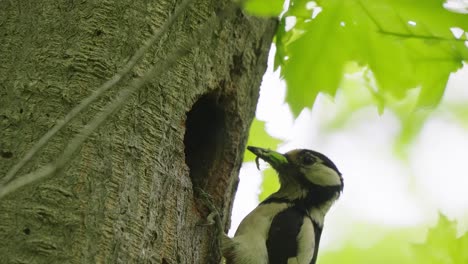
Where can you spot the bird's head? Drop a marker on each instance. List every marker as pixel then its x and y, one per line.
pixel 302 166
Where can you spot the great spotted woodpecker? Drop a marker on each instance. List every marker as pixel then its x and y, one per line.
pixel 285 228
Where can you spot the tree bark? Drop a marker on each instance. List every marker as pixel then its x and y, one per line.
pixel 131 194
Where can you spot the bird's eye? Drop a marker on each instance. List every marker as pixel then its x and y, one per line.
pixel 308 160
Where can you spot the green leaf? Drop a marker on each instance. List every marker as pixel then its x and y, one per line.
pixel 266 8
pixel 316 60
pixel 405 44
pixel 383 246
pixel 442 245
pixel 434 78
pixel 280 49
pixel 298 8
pixel 258 137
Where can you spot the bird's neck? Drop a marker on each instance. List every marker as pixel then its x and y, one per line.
pixel 314 199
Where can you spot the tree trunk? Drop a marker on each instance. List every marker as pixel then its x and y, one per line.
pixel 130 194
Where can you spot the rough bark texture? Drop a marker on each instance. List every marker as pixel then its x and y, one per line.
pixel 129 195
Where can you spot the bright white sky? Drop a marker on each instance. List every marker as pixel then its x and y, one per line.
pixel 380 189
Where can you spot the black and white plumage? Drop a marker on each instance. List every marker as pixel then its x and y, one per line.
pixel 286 227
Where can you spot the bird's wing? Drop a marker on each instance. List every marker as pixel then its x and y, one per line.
pixel 291 238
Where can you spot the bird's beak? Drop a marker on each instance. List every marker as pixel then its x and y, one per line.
pixel 275 159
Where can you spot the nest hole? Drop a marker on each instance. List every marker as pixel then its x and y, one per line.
pixel 204 140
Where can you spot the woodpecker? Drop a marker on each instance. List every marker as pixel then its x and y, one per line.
pixel 285 228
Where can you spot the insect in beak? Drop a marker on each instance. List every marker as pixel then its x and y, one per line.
pixel 257 162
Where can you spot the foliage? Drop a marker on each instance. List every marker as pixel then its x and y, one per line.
pixel 405 44
pixel 405 48
pixel 393 248
pixel 440 247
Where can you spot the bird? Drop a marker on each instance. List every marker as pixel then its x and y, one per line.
pixel 286 227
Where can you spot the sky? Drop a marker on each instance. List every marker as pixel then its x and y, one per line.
pixel 381 190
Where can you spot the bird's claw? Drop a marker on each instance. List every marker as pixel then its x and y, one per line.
pixel 210 219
